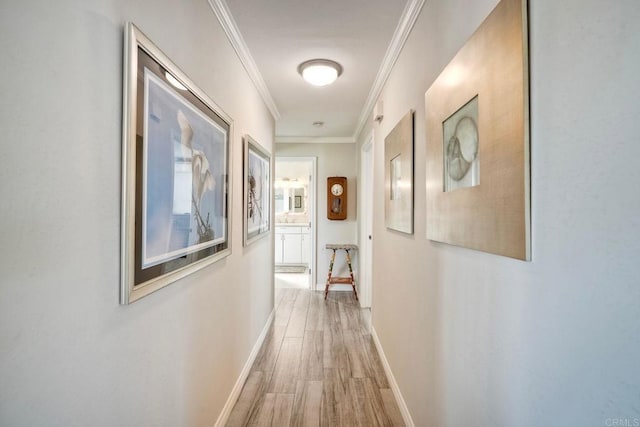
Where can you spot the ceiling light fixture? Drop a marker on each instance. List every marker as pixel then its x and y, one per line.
pixel 320 72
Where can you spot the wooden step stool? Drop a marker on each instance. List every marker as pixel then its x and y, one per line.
pixel 341 280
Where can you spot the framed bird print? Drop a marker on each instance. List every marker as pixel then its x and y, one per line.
pixel 257 191
pixel 175 157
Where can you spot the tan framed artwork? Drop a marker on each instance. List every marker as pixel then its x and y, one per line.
pixel 477 119
pixel 398 158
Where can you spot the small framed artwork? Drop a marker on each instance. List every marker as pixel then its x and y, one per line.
pixel 298 202
pixel 477 154
pixel 175 173
pixel 461 162
pixel 257 191
pixel 398 154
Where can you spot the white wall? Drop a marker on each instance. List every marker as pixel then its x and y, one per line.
pixel 333 160
pixel 477 339
pixel 69 354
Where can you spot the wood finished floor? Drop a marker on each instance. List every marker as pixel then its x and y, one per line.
pixel 318 366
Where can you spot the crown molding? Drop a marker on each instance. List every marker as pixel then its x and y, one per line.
pixel 229 26
pixel 315 140
pixel 405 25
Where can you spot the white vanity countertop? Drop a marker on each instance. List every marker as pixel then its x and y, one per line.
pixel 292 224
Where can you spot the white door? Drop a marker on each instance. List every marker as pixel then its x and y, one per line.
pixel 366 226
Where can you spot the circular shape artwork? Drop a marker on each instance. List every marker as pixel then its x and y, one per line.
pixel 462 148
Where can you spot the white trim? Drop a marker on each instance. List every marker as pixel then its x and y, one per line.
pixel 366 221
pixel 315 140
pixel 368 139
pixel 221 10
pixel 402 405
pixel 244 374
pixel 314 222
pixel 405 25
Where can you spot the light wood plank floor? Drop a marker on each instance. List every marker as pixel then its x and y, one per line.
pixel 318 366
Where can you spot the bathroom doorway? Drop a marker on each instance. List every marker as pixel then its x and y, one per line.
pixel 295 222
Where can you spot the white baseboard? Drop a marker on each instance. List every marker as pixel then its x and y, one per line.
pixel 402 405
pixel 237 388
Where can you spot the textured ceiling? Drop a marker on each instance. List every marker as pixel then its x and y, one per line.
pixel 281 34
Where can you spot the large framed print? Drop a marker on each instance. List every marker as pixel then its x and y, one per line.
pixel 398 156
pixel 477 119
pixel 175 166
pixel 257 191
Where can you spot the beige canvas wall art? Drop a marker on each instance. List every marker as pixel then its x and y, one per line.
pixel 477 119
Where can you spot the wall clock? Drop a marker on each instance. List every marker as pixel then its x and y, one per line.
pixel 337 197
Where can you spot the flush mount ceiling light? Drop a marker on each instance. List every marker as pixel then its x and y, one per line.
pixel 320 72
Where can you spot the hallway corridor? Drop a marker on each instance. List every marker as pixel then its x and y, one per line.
pixel 318 366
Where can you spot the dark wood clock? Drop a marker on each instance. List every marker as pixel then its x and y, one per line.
pixel 337 197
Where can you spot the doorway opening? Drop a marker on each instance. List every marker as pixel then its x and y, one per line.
pixel 295 222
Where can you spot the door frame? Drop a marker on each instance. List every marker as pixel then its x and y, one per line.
pixel 313 192
pixel 366 225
